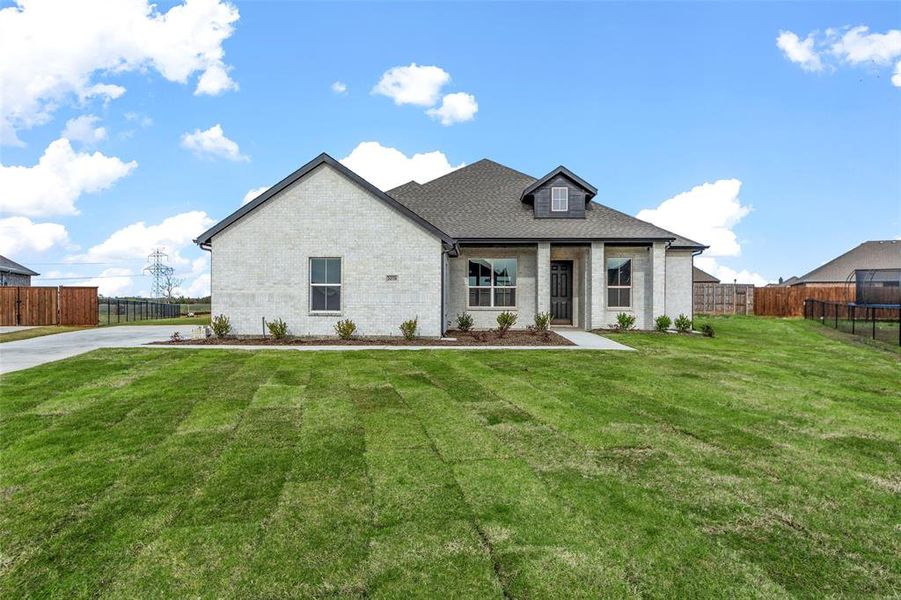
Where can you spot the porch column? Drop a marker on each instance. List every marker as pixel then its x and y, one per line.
pixel 543 278
pixel 596 294
pixel 658 268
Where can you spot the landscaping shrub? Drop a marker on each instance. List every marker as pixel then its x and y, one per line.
pixel 542 322
pixel 175 337
pixel 624 322
pixel 345 329
pixel 221 326
pixel 277 329
pixel 707 329
pixel 663 322
pixel 408 328
pixel 505 321
pixel 683 324
pixel 464 321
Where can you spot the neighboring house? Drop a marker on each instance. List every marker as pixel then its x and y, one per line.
pixel 699 276
pixel 324 244
pixel 12 273
pixel 863 261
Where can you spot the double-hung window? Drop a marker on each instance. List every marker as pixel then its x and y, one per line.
pixel 559 199
pixel 619 282
pixel 492 282
pixel 325 284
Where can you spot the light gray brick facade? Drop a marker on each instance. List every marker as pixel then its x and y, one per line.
pixel 260 266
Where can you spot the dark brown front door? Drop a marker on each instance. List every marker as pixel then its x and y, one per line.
pixel 561 292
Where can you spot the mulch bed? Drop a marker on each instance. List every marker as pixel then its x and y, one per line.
pixel 470 338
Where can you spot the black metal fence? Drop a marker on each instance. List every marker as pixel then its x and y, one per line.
pixel 877 321
pixel 115 310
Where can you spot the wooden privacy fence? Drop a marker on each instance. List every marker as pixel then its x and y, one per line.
pixel 723 298
pixel 48 305
pixel 789 301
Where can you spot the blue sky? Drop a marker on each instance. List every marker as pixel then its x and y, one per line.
pixel 800 144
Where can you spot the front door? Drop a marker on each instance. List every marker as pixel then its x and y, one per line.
pixel 561 292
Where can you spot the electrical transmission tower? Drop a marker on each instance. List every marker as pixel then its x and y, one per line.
pixel 160 272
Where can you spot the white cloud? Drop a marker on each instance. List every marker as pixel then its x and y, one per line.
pixel 706 213
pixel 727 275
pixel 19 234
pixel 387 168
pixel 253 193
pixel 84 129
pixel 214 81
pixel 114 281
pixel 413 84
pixel 212 143
pixel 854 46
pixel 455 108
pixel 339 87
pixel 60 49
pixel 61 176
pixel 800 51
pixel 136 241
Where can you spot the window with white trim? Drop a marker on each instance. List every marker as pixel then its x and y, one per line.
pixel 619 282
pixel 325 284
pixel 492 282
pixel 559 199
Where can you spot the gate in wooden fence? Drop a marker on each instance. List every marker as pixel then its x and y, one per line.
pixel 48 305
pixel 789 301
pixel 723 298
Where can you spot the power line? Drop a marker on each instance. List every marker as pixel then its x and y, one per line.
pixel 160 272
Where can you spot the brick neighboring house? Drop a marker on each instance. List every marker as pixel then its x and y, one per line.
pixel 324 244
pixel 14 274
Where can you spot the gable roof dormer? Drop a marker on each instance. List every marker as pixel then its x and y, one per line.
pixel 561 194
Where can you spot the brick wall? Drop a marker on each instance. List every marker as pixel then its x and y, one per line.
pixel 260 264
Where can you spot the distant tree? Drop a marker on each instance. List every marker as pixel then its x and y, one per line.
pixel 170 284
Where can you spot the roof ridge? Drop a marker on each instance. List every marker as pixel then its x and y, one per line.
pixel 469 166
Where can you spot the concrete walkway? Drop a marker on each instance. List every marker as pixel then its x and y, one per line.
pixel 593 341
pixel 25 354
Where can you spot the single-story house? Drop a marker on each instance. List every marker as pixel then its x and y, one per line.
pixel 14 274
pixel 324 244
pixel 868 257
pixel 699 276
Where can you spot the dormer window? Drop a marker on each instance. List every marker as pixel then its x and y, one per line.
pixel 559 199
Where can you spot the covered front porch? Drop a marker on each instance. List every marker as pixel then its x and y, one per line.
pixel 582 284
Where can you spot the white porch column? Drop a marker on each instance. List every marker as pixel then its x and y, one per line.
pixel 658 266
pixel 543 278
pixel 597 300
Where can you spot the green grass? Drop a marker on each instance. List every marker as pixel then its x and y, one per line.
pixel 25 334
pixel 761 463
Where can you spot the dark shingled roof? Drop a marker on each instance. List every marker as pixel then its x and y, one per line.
pixel 699 276
pixel 482 201
pixel 11 266
pixel 877 254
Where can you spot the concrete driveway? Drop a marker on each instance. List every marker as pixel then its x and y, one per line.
pixel 25 354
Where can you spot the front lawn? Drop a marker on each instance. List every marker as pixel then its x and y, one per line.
pixel 762 462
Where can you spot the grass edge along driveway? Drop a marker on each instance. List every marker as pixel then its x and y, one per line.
pixel 762 462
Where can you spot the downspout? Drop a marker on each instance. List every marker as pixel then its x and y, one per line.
pixel 445 252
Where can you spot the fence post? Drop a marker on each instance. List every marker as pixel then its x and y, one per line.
pixel 874 323
pixel 851 308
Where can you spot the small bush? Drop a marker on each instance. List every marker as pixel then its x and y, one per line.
pixel 663 322
pixel 221 326
pixel 707 329
pixel 624 322
pixel 277 329
pixel 408 328
pixel 542 323
pixel 465 321
pixel 505 321
pixel 345 329
pixel 683 324
pixel 175 337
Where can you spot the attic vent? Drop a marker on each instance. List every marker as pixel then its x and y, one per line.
pixel 390 277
